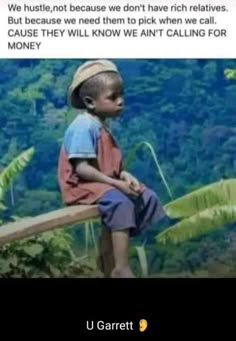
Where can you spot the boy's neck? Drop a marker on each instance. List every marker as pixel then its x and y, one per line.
pixel 100 118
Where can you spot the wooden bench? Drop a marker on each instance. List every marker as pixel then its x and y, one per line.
pixel 27 227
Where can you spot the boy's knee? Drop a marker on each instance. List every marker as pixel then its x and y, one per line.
pixel 150 196
pixel 124 202
pixel 152 201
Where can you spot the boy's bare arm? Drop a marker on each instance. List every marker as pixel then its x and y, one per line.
pixel 88 171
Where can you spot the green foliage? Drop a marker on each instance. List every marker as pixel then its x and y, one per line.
pixel 35 202
pixel 220 193
pixel 204 210
pixel 142 260
pixel 13 169
pixel 90 238
pixel 230 73
pixel 47 255
pixel 200 223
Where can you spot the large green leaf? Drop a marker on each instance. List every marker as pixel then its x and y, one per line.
pixel 13 169
pixel 217 194
pixel 198 224
pixel 33 250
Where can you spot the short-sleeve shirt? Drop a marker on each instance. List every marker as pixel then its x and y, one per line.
pixel 81 137
pixel 87 138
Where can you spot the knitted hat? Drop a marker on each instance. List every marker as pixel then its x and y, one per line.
pixel 83 73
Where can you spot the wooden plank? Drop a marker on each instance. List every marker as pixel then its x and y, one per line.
pixel 45 222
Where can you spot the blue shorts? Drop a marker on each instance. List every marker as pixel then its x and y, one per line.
pixel 119 211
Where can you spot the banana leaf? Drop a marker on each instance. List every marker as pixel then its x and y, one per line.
pixel 14 169
pixel 217 194
pixel 198 224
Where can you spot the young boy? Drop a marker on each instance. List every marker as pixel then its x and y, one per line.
pixel 90 166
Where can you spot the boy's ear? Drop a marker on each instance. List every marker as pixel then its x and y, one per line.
pixel 89 102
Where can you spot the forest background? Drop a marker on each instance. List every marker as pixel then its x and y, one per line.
pixel 184 108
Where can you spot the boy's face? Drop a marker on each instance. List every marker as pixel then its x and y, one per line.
pixel 109 102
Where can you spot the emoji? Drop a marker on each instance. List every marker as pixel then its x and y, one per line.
pixel 143 325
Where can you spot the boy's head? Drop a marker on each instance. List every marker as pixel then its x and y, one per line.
pixel 97 86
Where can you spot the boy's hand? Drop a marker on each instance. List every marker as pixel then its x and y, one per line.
pixel 124 187
pixel 131 181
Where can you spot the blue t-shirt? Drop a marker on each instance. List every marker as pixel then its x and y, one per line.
pixel 80 139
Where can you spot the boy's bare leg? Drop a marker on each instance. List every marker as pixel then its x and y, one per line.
pixel 105 260
pixel 120 241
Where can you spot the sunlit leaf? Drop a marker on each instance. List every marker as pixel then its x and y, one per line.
pixel 33 250
pixel 198 224
pixel 216 194
pixel 13 169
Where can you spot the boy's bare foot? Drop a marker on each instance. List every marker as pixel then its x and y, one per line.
pixel 122 273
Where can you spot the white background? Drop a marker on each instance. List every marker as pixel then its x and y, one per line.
pixel 207 47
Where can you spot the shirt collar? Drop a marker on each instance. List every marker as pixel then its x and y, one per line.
pixel 97 119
